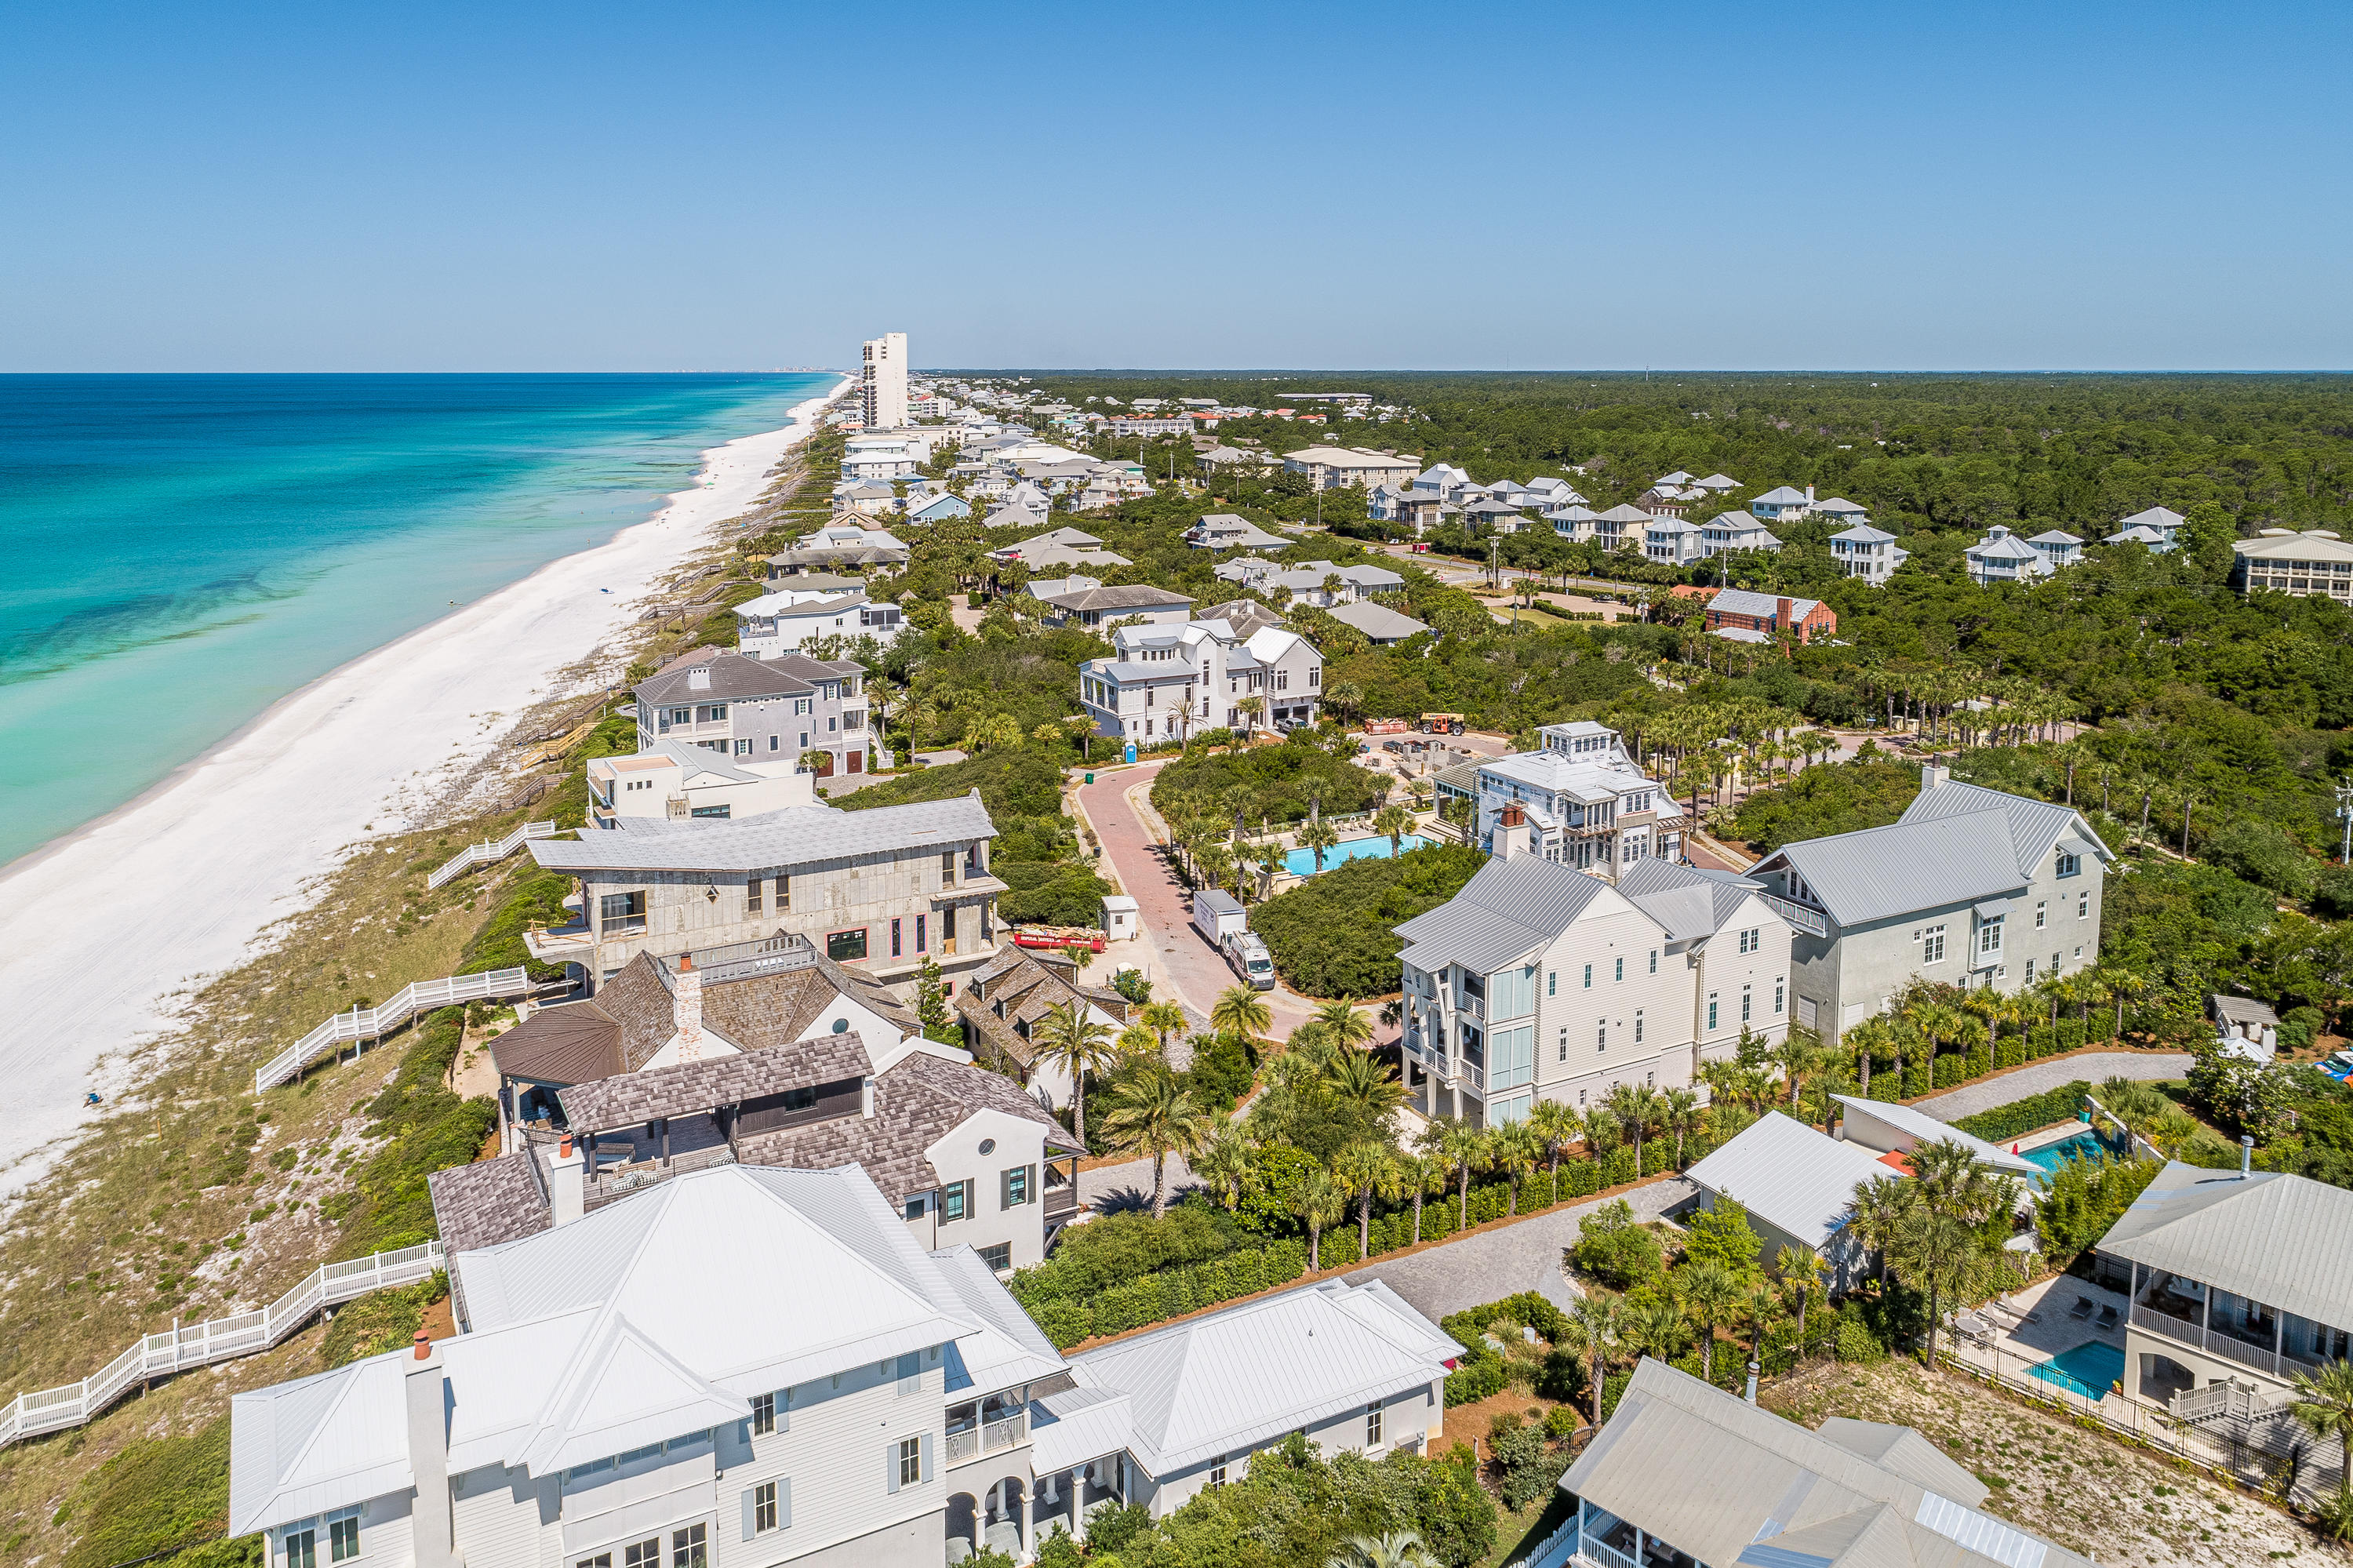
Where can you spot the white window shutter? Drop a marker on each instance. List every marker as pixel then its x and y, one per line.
pixel 751 1526
pixel 927 1456
pixel 1030 1186
pixel 784 1502
pixel 891 1466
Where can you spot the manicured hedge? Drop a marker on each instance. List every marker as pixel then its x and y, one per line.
pixel 1954 1068
pixel 2024 1116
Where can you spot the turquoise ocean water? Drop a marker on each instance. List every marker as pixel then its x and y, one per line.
pixel 178 552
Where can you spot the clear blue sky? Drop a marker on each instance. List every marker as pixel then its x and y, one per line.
pixel 593 186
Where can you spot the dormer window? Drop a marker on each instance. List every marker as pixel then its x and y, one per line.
pixel 2071 865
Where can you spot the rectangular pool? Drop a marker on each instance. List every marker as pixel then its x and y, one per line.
pixel 1302 862
pixel 2083 1145
pixel 2089 1369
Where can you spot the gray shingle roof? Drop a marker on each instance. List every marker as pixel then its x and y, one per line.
pixel 1509 907
pixel 801 835
pixel 2286 1241
pixel 734 679
pixel 1378 621
pixel 631 1099
pixel 1125 595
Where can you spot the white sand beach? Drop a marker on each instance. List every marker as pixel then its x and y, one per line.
pixel 103 928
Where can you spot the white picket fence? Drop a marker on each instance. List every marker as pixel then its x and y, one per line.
pixel 374 1022
pixel 1556 1548
pixel 219 1340
pixel 482 854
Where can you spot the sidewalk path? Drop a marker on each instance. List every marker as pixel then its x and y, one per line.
pixel 1491 1264
pixel 2038 1077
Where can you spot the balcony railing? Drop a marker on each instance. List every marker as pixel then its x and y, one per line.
pixel 1061 1200
pixel 964 1444
pixel 2213 1342
pixel 1006 1433
pixel 1810 921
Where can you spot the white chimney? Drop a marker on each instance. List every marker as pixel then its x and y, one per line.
pixel 431 1541
pixel 1933 774
pixel 699 678
pixel 566 1190
pixel 866 1099
pixel 686 1010
pixel 1809 495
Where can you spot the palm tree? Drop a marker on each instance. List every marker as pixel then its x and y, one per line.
pixel 1799 1053
pixel 1393 822
pixel 1654 1329
pixel 1164 1019
pixel 1678 1113
pixel 1802 1269
pixel 1712 1297
pixel 1363 1079
pixel 1591 1329
pixel 1462 1145
pixel 1317 1200
pixel 1633 1105
pixel 1423 1174
pixel 1937 1251
pixel 1223 1160
pixel 1241 1011
pixel 1346 1025
pixel 1398 1549
pixel 1366 1171
pixel 2323 1405
pixel 1514 1149
pixel 1557 1125
pixel 1318 835
pixel 1875 1213
pixel 1069 1037
pixel 1135 1041
pixel 1153 1114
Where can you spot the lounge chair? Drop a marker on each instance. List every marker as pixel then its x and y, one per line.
pixel 2108 1317
pixel 2081 1309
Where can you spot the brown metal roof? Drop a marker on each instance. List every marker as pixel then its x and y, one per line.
pixel 575 1042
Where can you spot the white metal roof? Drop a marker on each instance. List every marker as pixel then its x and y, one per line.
pixel 1790 1175
pixel 1922 1128
pixel 2286 1241
pixel 1229 1379
pixel 1506 911
pixel 797 835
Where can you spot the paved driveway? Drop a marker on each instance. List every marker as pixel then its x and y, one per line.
pixel 1491 1264
pixel 2037 1078
pixel 1111 1189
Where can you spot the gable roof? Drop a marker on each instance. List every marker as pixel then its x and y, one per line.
pixel 1229 1379
pixel 2283 1240
pixel 1688 901
pixel 1378 622
pixel 1954 843
pixel 733 678
pixel 1781 495
pixel 1508 908
pixel 1125 596
pixel 1747 601
pixel 630 1099
pixel 1790 1175
pixel 1920 1125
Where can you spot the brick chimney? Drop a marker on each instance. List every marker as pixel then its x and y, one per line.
pixel 686 1010
pixel 1781 608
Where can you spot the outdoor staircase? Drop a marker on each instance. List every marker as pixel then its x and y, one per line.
pixel 483 854
pixel 219 1340
pixel 374 1022
pixel 2235 1413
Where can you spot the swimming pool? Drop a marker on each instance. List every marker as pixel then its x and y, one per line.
pixel 2083 1145
pixel 1302 862
pixel 2089 1369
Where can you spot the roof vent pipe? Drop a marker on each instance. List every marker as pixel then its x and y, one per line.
pixel 2246 1155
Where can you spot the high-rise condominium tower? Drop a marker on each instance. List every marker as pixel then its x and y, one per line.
pixel 886 381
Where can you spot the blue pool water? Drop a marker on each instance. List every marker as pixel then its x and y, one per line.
pixel 2088 1369
pixel 1302 863
pixel 2085 1145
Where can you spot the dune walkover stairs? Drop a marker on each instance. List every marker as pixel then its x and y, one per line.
pixel 374 1022
pixel 489 850
pixel 218 1339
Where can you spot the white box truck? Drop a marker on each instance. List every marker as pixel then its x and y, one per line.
pixel 1218 916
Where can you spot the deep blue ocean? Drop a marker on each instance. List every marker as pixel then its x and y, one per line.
pixel 178 552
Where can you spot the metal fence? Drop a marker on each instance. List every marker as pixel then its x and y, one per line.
pixel 216 1340
pixel 374 1022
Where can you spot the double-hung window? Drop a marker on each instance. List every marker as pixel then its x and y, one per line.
pixel 1373 1425
pixel 1711 1009
pixel 764 1415
pixel 766 1515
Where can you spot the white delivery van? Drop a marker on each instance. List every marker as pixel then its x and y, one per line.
pixel 1246 956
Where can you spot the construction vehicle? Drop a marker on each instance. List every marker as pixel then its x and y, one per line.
pixel 1441 724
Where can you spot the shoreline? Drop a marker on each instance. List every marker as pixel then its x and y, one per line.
pixel 105 925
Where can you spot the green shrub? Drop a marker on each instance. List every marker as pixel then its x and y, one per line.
pixel 420 1128
pixel 380 1321
pixel 1330 935
pixel 1282 781
pixel 1114 1249
pixel 1855 1341
pixel 1720 1233
pixel 2020 1117
pixel 1616 1251
pixel 156 1495
pixel 2258 851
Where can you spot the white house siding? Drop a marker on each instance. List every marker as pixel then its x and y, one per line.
pixel 386 1536
pixel 1573 1063
pixel 1020 1145
pixel 1411 1417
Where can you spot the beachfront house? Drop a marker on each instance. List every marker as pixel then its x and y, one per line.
pixel 1970 886
pixel 1165 683
pixel 864 888
pixel 1541 982
pixel 739 1365
pixel 1581 801
pixel 845 544
pixel 1869 553
pixel 1686 1474
pixel 674 779
pixel 2240 1277
pixel 759 710
pixel 769 1057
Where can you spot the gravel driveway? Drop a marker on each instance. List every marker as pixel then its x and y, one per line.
pixel 2040 1076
